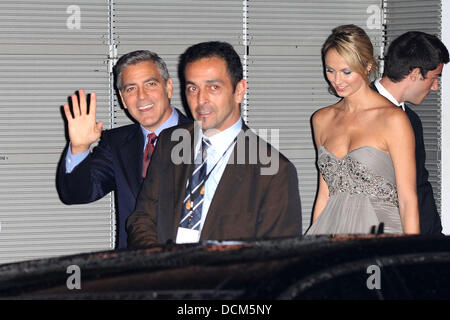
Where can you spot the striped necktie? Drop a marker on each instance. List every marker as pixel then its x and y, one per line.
pixel 148 153
pixel 192 204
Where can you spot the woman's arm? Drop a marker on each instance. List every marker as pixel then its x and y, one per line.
pixel 321 199
pixel 322 192
pixel 400 141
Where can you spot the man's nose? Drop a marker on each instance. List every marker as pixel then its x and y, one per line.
pixel 202 97
pixel 140 94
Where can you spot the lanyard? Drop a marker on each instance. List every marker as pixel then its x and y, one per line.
pixel 202 189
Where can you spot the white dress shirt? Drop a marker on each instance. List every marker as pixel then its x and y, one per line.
pixel 382 90
pixel 216 162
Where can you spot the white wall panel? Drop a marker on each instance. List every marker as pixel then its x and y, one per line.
pixel 44 58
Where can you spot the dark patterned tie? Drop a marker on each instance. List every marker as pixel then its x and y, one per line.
pixel 148 153
pixel 192 204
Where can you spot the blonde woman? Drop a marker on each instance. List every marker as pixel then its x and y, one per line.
pixel 365 148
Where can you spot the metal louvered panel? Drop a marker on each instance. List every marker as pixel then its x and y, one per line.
pixel 152 24
pixel 306 23
pixel 169 27
pixel 405 15
pixel 425 16
pixel 44 58
pixel 35 224
pixel 53 22
pixel 285 74
pixel 32 92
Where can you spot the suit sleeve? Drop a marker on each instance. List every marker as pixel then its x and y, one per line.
pixel 92 179
pixel 430 222
pixel 280 214
pixel 141 224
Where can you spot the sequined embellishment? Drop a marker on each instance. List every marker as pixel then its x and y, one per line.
pixel 351 176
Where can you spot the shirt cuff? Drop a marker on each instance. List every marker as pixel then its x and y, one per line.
pixel 72 160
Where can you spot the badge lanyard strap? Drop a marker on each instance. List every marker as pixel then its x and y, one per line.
pixel 207 176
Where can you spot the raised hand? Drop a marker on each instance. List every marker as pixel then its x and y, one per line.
pixel 83 128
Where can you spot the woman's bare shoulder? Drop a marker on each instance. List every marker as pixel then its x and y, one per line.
pixel 394 115
pixel 324 114
pixel 388 113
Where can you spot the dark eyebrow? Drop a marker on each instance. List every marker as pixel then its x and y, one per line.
pixel 146 80
pixel 207 81
pixel 214 81
pixel 152 79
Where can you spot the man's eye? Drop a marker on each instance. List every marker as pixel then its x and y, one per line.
pixel 191 89
pixel 129 89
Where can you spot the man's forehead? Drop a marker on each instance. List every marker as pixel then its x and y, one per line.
pixel 142 70
pixel 211 63
pixel 210 69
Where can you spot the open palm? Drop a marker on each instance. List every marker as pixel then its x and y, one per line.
pixel 83 128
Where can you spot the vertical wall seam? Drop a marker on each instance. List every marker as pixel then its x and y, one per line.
pixel 245 62
pixel 112 58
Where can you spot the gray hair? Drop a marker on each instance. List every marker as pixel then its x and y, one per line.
pixel 135 57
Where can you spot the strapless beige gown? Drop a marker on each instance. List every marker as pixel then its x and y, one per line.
pixel 363 193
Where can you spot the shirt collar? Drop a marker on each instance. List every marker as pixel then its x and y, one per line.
pixel 383 91
pixel 170 122
pixel 223 139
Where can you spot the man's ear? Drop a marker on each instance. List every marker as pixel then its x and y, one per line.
pixel 169 88
pixel 239 92
pixel 415 74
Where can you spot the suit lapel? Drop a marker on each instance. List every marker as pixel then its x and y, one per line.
pixel 132 153
pixel 182 119
pixel 130 159
pixel 180 176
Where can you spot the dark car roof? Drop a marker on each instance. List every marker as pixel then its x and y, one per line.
pixel 324 267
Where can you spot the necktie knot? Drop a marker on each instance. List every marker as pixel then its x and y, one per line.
pixel 205 146
pixel 152 137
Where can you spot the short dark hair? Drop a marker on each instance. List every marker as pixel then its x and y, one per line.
pixel 217 49
pixel 414 49
pixel 138 56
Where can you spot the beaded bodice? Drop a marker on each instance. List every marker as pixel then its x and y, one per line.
pixel 348 174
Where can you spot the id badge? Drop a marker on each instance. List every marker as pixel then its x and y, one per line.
pixel 185 235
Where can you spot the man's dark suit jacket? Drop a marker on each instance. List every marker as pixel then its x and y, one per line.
pixel 114 165
pixel 430 222
pixel 245 206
